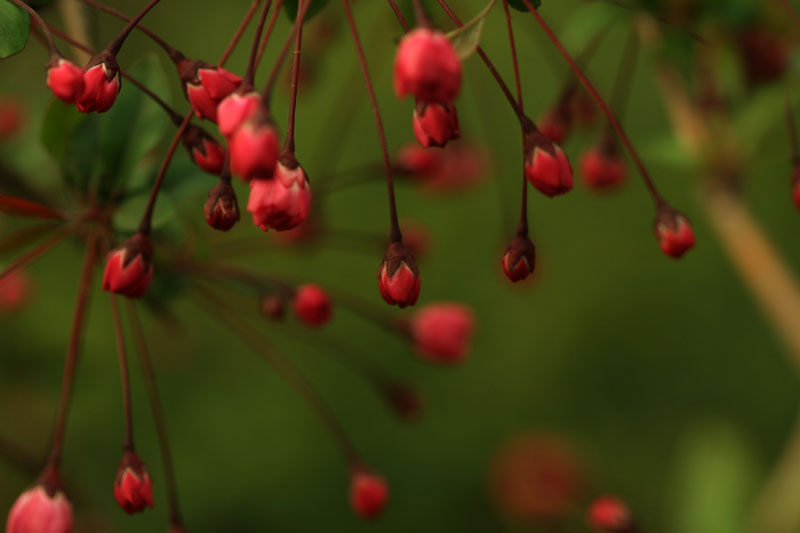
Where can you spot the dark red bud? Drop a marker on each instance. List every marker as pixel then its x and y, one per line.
pixel 519 260
pixel 221 209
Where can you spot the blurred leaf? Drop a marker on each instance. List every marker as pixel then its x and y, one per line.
pixel 14 28
pixel 586 22
pixel 72 139
pixel 519 5
pixel 467 38
pixel 315 7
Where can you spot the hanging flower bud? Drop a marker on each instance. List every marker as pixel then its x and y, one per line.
pixel 101 84
pixel 610 514
pixel 235 109
pixel 519 260
pixel 546 166
pixel 65 79
pixel 40 510
pixel 206 86
pixel 254 147
pixel 204 150
pixel 398 276
pixel 272 307
pixel 442 331
pixel 133 489
pixel 427 66
pixel 312 305
pixel 129 268
pixel 602 168
pixel 673 232
pixel 368 493
pixel 222 209
pixel 435 124
pixel 283 202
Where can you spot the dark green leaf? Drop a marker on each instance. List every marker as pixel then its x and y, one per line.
pixel 519 5
pixel 14 28
pixel 315 7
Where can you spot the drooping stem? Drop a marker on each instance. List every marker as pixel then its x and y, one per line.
pixel 73 351
pixel 395 234
pixel 260 344
pixel 34 254
pixel 420 14
pixel 116 44
pixel 54 53
pixel 250 73
pixel 268 32
pixel 657 199
pixel 399 15
pixel 158 413
pixel 791 126
pixel 127 443
pixel 266 94
pixel 239 32
pixel 24 236
pixel 288 145
pixel 174 54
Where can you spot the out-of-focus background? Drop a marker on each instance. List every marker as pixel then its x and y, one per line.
pixel 664 379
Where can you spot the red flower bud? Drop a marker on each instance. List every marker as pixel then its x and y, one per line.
pixel 66 81
pixel 272 307
pixel 235 109
pixel 368 494
pixel 221 209
pixel 427 66
pixel 40 510
pixel 15 290
pixel 398 276
pixel 282 202
pixel 546 165
pixel 519 260
pixel 673 232
pixel 254 148
pixel 435 124
pixel 312 305
pixel 442 331
pixel 602 168
pixel 132 488
pixel 206 86
pixel 204 150
pixel 610 514
pixel 101 84
pixel 129 268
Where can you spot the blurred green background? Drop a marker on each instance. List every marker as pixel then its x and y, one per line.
pixel 663 374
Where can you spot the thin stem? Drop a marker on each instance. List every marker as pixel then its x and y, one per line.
pixel 395 234
pixel 657 199
pixel 268 32
pixel 174 54
pixel 420 14
pixel 250 73
pixel 791 11
pixel 399 15
pixel 146 224
pixel 24 236
pixel 261 345
pixel 622 85
pixel 266 94
pixel 54 53
pixel 34 254
pixel 115 45
pixel 158 412
pixel 127 443
pixel 791 126
pixel 239 32
pixel 73 351
pixel 288 145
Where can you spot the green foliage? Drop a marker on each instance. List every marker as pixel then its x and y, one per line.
pixel 315 7
pixel 467 38
pixel 14 28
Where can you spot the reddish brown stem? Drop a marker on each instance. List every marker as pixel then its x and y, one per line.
pixel 116 44
pixel 268 32
pixel 399 15
pixel 54 53
pixel 266 94
pixel 239 32
pixel 250 73
pixel 34 254
pixel 288 145
pixel 791 11
pixel 127 443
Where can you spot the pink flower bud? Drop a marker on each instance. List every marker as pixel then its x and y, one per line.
pixel 15 291
pixel 398 276
pixel 427 66
pixel 254 148
pixel 206 86
pixel 38 510
pixel 442 331
pixel 546 165
pixel 133 489
pixel 221 209
pixel 129 268
pixel 519 259
pixel 610 514
pixel 282 202
pixel 312 305
pixel 673 232
pixel 204 150
pixel 66 81
pixel 235 109
pixel 368 494
pixel 101 84
pixel 435 124
pixel 602 168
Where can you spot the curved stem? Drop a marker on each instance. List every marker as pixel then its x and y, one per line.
pixel 791 11
pixel 266 94
pixel 622 85
pixel 54 53
pixel 239 32
pixel 288 145
pixel 250 73
pixel 395 234
pixel 270 26
pixel 127 443
pixel 116 44
pixel 399 15
pixel 34 254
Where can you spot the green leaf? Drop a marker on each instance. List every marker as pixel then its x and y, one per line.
pixel 72 138
pixel 586 22
pixel 14 28
pixel 519 5
pixel 467 38
pixel 315 7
